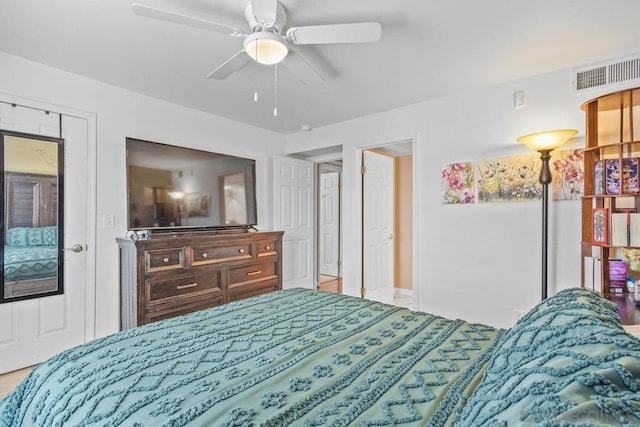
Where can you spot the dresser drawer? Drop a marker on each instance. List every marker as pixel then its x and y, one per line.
pixel 164 259
pixel 166 313
pixel 238 292
pixel 174 273
pixel 266 248
pixel 203 255
pixel 252 273
pixel 174 288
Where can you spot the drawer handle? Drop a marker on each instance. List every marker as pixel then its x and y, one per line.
pixel 253 273
pixel 190 285
pixel 204 255
pixel 267 248
pixel 241 251
pixel 165 259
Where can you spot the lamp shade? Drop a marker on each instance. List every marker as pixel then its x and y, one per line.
pixel 176 195
pixel 266 47
pixel 547 141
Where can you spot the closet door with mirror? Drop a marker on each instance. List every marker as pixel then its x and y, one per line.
pixel 32 212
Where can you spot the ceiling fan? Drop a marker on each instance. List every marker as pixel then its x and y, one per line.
pixel 267 42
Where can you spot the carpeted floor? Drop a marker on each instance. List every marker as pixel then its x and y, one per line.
pixel 10 380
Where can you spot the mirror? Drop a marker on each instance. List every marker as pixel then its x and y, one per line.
pixel 233 209
pixel 32 235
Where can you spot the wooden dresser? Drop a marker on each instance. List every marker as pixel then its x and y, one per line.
pixel 177 273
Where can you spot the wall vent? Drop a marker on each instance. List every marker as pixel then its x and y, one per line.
pixel 614 73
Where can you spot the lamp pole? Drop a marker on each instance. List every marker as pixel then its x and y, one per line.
pixel 545 180
pixel 544 143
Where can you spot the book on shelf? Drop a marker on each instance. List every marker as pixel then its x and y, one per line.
pixel 598 177
pixel 620 180
pixel 625 229
pixel 589 272
pixel 597 277
pixel 620 229
pixel 600 226
pixel 630 176
pixel 617 274
pixel 612 176
pixel 634 229
pixel 592 273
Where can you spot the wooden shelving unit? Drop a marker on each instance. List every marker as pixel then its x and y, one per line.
pixel 612 132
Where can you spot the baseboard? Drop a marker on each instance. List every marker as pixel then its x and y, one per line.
pixel 400 292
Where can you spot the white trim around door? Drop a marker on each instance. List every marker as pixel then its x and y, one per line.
pixel 91 199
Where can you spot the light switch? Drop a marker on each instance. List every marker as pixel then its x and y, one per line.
pixel 519 100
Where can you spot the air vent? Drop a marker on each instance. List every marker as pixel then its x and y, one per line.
pixel 614 73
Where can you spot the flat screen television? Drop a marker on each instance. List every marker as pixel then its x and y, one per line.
pixel 170 187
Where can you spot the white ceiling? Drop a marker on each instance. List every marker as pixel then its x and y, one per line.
pixel 429 48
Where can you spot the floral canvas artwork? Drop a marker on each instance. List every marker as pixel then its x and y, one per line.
pixel 516 178
pixel 509 179
pixel 567 167
pixel 458 183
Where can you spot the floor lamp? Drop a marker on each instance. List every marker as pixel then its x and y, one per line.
pixel 545 143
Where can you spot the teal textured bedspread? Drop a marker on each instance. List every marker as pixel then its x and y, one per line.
pixel 292 357
pixel 30 262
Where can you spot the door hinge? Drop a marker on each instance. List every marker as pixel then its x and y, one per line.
pixel 339 184
pixel 339 263
pixel 363 292
pixel 363 169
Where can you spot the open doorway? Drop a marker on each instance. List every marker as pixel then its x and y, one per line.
pixel 326 255
pixel 329 226
pixel 387 224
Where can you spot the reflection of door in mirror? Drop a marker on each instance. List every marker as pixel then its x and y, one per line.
pixel 234 208
pixel 32 221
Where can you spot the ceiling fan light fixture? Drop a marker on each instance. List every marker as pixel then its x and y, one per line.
pixel 266 47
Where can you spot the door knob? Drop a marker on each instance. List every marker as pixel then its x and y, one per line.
pixel 75 248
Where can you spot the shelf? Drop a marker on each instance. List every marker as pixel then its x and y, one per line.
pixel 612 145
pixel 609 246
pixel 609 196
pixel 612 128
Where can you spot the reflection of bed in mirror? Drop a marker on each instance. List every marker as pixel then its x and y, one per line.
pixel 31 234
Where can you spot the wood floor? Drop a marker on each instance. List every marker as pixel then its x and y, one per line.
pixel 628 311
pixel 330 284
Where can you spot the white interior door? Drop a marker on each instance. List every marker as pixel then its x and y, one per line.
pixel 378 226
pixel 293 212
pixel 33 330
pixel 329 223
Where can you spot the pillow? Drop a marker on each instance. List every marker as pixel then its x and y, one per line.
pixel 32 236
pixel 567 362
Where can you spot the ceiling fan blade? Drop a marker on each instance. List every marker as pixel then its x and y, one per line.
pixel 179 18
pixel 299 66
pixel 231 65
pixel 265 10
pixel 364 32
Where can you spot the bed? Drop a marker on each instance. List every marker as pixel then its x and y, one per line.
pixel 308 358
pixel 30 234
pixel 30 260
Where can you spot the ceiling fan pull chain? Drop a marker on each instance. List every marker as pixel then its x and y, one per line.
pixel 255 95
pixel 256 45
pixel 275 91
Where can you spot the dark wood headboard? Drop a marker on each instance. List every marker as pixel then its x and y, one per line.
pixel 30 200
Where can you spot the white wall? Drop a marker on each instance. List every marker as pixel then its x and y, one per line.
pixel 121 113
pixel 477 262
